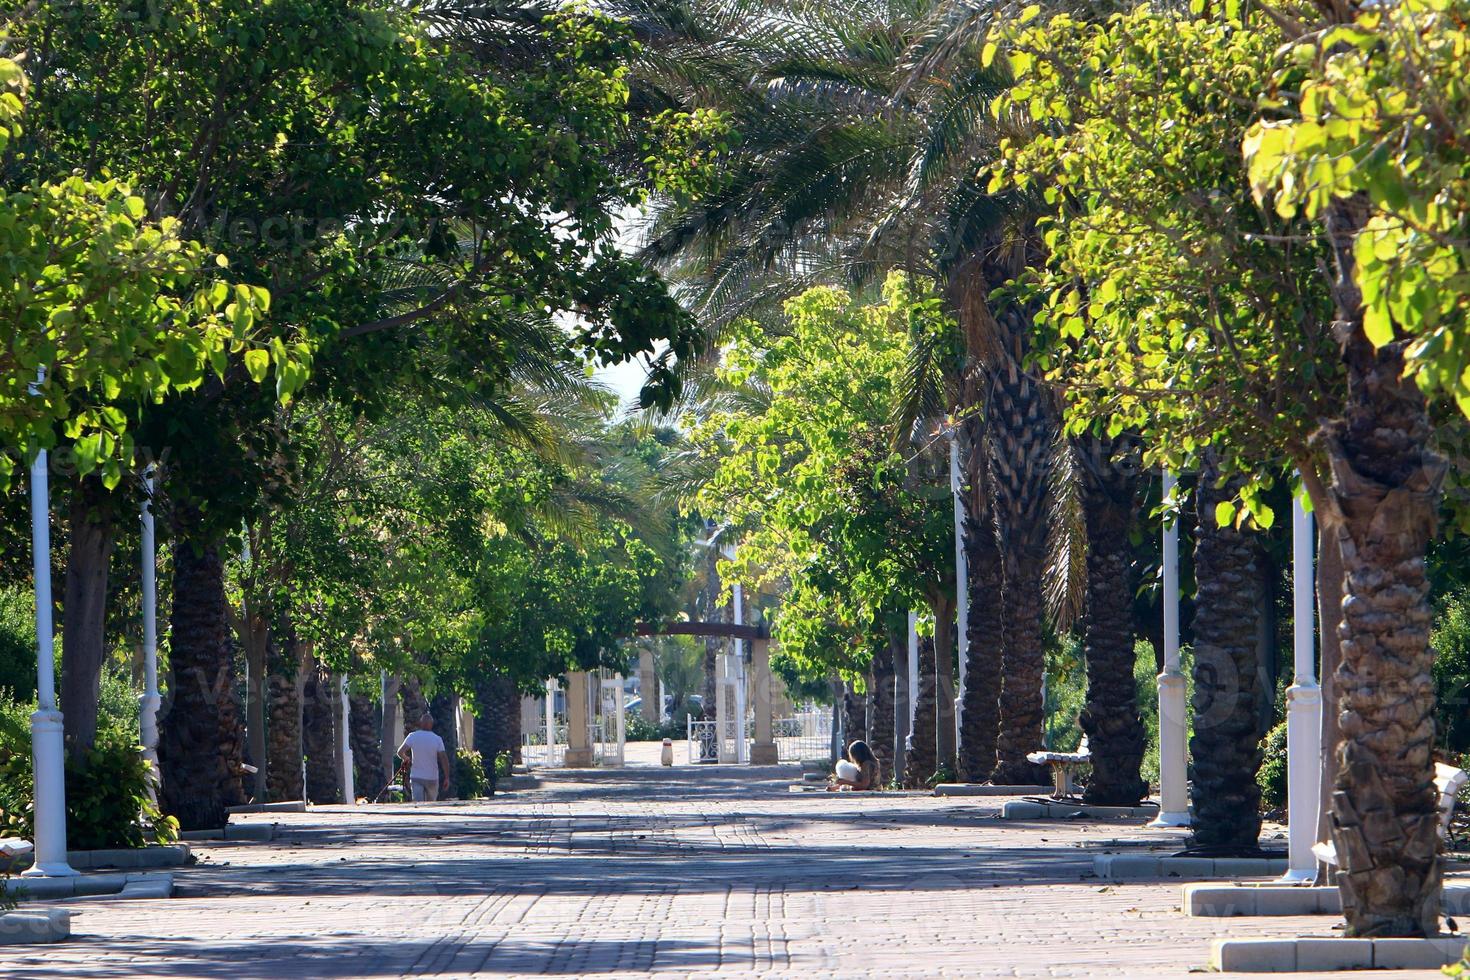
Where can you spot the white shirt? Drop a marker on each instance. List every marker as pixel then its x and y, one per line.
pixel 425 746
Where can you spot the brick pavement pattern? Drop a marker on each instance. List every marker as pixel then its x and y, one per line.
pixel 681 872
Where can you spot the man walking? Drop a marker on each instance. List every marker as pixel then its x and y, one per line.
pixel 430 770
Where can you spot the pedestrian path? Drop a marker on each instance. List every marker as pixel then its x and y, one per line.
pixel 689 871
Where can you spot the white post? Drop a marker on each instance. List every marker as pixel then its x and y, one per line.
pixel 349 789
pixel 550 723
pixel 961 581
pixel 1303 708
pixel 1173 771
pixel 48 754
pixel 913 668
pixel 742 748
pixel 149 701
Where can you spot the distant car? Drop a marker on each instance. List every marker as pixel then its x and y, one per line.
pixel 694 703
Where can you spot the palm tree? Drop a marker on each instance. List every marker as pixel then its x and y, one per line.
pixel 921 756
pixel 852 160
pixel 1226 741
pixel 1116 735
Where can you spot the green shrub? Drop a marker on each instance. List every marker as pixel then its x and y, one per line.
pixel 107 801
pixel 640 729
pixel 18 643
pixel 469 775
pixel 1272 775
pixel 504 764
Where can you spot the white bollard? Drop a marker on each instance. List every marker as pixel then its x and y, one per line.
pixel 1173 769
pixel 1303 709
pixel 149 701
pixel 48 753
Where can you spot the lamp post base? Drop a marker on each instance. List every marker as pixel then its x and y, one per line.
pixel 48 761
pixel 1171 820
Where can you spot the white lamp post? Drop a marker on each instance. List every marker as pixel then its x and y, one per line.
pixel 1303 708
pixel 349 789
pixel 48 753
pixel 913 669
pixel 961 580
pixel 742 749
pixel 149 701
pixel 1173 772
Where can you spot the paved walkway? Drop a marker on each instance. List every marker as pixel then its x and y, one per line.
pixel 676 872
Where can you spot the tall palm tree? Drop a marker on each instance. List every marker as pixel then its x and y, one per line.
pixel 853 160
pixel 1116 735
pixel 1226 741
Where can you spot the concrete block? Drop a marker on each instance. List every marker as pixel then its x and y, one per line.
pixel 985 789
pixel 99 884
pixel 154 856
pixel 285 806
pixel 260 832
pixel 1218 900
pixel 34 926
pixel 1253 955
pixel 1022 810
pixel 1242 867
pixel 1456 899
pixel 1287 900
pixel 1186 867
pixel 1126 865
pixel 148 886
pixel 1329 900
pixel 1322 955
pixel 42 888
pixel 1417 954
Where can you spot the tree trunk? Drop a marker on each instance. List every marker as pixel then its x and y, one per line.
pixel 1226 743
pixel 445 709
pixel 290 663
pixel 921 757
pixel 255 635
pixel 415 705
pixel 367 759
pixel 1116 735
pixel 320 707
pixel 980 720
pixel 944 688
pixel 202 741
pixel 498 720
pixel 854 714
pixel 880 725
pixel 1021 434
pixel 1386 482
pixel 1329 611
pixel 84 611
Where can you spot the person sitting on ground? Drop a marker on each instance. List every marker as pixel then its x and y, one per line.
pixel 429 772
pixel 859 771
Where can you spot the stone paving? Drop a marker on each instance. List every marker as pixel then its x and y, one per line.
pixel 689 871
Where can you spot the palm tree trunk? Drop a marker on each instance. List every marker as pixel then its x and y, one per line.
pixel 921 757
pixel 1386 483
pixel 497 724
pixel 202 741
pixel 415 705
pixel 319 737
pixel 1226 743
pixel 290 661
pixel 367 760
pixel 445 709
pixel 1021 434
pixel 944 688
pixel 84 611
pixel 980 720
pixel 854 713
pixel 1115 733
pixel 880 725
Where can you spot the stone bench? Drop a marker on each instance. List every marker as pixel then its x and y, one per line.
pixel 1063 765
